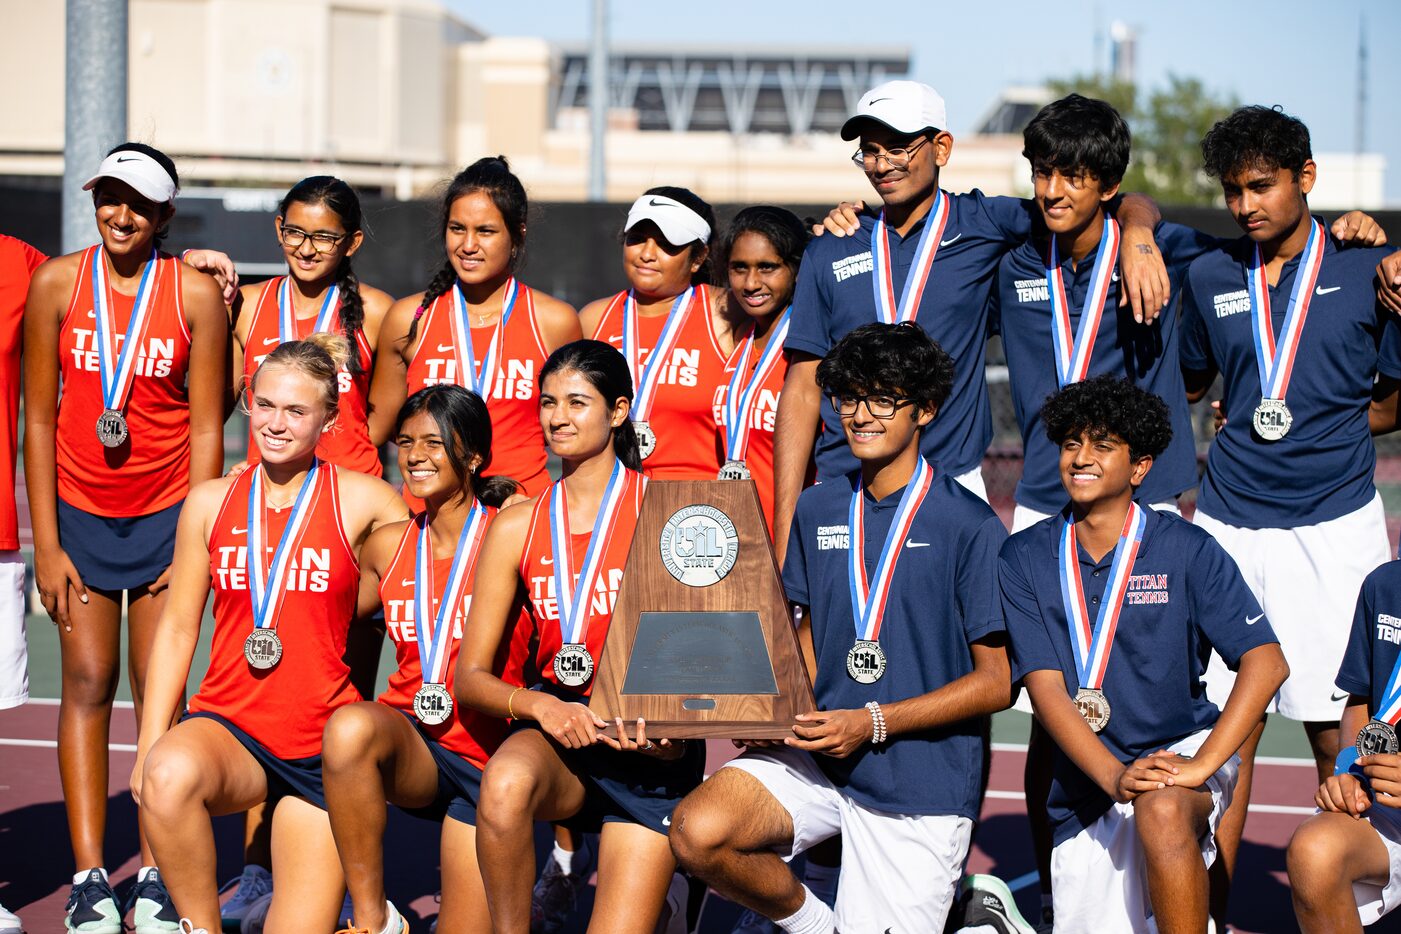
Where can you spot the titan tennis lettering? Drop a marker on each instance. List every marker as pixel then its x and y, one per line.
pixel 1147 589
pixel 516 380
pixel 399 618
pixel 308 571
pixel 542 593
pixel 156 359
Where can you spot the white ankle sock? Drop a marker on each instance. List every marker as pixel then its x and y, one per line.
pixel 565 858
pixel 392 921
pixel 813 917
pixel 822 881
pixel 79 877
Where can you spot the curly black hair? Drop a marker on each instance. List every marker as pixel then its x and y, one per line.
pixel 896 358
pixel 1256 137
pixel 1079 134
pixel 1107 407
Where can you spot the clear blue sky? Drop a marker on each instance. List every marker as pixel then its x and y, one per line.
pixel 1291 52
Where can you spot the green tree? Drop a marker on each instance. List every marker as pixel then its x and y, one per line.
pixel 1167 131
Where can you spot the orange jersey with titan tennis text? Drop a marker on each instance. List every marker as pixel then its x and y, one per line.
pixel 758 456
pixel 286 707
pixel 151 471
pixel 18 260
pixel 471 734
pixel 517 444
pixel 348 442
pixel 538 571
pixel 693 381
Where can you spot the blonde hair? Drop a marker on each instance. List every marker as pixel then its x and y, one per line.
pixel 320 356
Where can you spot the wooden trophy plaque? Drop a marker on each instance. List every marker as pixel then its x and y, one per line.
pixel 701 643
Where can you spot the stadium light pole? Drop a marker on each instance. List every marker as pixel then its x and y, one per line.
pixel 598 102
pixel 94 104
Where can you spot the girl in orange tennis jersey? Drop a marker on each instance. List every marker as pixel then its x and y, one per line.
pixel 564 552
pixel 759 256
pixel 414 747
pixel 476 325
pixel 277 544
pixel 669 306
pixel 318 225
pixel 125 350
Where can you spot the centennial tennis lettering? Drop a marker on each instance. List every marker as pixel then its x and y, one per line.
pixel 1231 303
pixel 1389 628
pixel 1032 290
pixel 844 269
pixel 831 537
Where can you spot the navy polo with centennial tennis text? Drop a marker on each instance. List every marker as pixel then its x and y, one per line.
pixel 943 596
pixel 1185 597
pixel 834 296
pixel 1146 354
pixel 1322 468
pixel 1375 640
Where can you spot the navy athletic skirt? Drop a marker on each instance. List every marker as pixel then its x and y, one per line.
pixel 118 554
pixel 459 783
pixel 299 777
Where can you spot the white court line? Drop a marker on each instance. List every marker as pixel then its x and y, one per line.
pixel 54 702
pixel 1262 808
pixel 53 744
pixel 1262 760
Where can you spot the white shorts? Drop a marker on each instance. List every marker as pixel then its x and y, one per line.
pixel 14 649
pixel 973 480
pixel 1024 517
pixel 1307 580
pixel 899 872
pixel 1099 880
pixel 1375 901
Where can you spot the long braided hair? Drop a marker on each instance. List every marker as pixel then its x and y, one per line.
pixel 345 203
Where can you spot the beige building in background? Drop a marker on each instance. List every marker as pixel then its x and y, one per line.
pixel 395 95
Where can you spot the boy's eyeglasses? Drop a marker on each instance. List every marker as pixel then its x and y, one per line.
pixel 880 406
pixel 898 159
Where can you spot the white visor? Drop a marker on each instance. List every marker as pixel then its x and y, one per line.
pixel 678 223
pixel 139 171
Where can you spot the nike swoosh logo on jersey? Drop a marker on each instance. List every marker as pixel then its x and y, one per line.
pixel 92 314
pixel 446 348
pixel 269 341
pixel 237 531
pixel 1322 291
pixel 1252 620
pixel 404 583
pixel 911 543
pixel 950 240
pixel 547 560
pixel 615 338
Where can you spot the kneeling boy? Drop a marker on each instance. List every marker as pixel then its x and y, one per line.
pixel 893 574
pixel 1112 609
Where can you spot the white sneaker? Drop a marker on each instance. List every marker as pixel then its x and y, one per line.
pixel 9 922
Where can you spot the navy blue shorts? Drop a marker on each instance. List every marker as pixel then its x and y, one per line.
pixel 459 783
pixel 298 777
pixel 118 554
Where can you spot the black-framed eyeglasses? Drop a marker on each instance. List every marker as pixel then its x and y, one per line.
pixel 880 405
pixel 897 159
pixel 321 242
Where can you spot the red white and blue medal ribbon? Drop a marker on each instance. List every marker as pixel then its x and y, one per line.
pixel 267 582
pixel 888 310
pixel 1092 645
pixel 743 390
pixel 647 378
pixel 1275 359
pixel 117 368
pixel 287 312
pixel 434 631
pixel 1073 352
pixel 574 597
pixel 869 596
pixel 481 382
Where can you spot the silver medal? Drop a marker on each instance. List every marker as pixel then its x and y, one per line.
pixel 111 428
pixel 1272 419
pixel 865 662
pixel 646 439
pixel 432 704
pixel 573 665
pixel 263 649
pixel 734 470
pixel 1377 737
pixel 1094 707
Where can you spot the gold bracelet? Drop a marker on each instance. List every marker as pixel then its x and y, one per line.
pixel 510 700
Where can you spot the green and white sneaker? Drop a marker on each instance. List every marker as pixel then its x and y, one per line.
pixel 92 907
pixel 152 910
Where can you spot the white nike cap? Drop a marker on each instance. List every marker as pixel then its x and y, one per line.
pixel 139 171
pixel 678 223
pixel 904 106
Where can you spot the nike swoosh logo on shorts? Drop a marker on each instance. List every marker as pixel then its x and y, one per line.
pixel 911 543
pixel 1337 697
pixel 666 821
pixel 1322 291
pixel 950 240
pixel 1252 620
pixel 446 348
pixel 237 531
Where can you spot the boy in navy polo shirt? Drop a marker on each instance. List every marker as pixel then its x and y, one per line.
pixel 929 256
pixel 1345 864
pixel 1293 326
pixel 1112 609
pixel 893 575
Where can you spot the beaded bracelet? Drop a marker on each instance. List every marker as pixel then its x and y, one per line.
pixel 878 731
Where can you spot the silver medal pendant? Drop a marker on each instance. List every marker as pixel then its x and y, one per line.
pixel 573 665
pixel 646 439
pixel 734 470
pixel 111 428
pixel 262 649
pixel 1094 707
pixel 432 704
pixel 865 662
pixel 1377 738
pixel 1272 419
